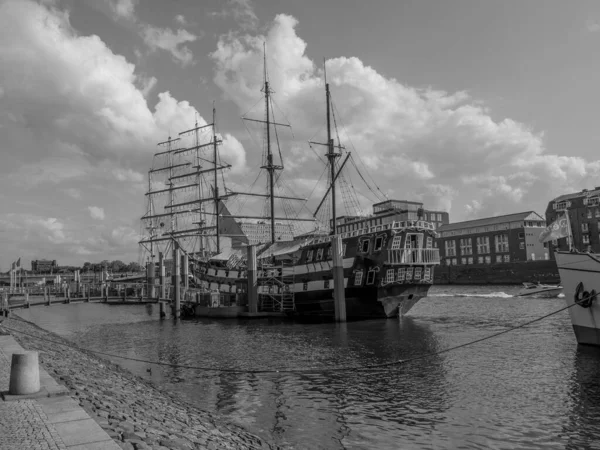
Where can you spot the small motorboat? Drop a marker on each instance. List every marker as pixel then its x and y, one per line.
pixel 539 290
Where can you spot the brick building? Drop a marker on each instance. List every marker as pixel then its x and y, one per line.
pixel 584 215
pixel 501 239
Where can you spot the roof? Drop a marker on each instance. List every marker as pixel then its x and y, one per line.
pixel 527 215
pixel 591 192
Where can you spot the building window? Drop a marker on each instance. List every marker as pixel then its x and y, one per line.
pixel 389 276
pixel 371 277
pixel 506 258
pixel 305 286
pixel 429 242
pixel 501 243
pixel 466 246
pixel 449 261
pixel 409 273
pixel 483 244
pixel 521 235
pixel 498 258
pixel 589 214
pixel 488 259
pixel 450 248
pixel 401 273
pixel 358 278
pixel 328 253
pixel 378 243
pixel 593 201
pixel 585 228
pixel 309 256
pixel 319 254
pixel 480 259
pixel 586 238
pixel 464 261
pixel 470 260
pixel 521 245
pixel 454 261
pixel 396 242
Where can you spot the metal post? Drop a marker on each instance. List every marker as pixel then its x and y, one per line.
pixel 150 271
pixel 339 294
pixel 46 296
pixel 186 272
pixel 161 274
pixel 26 299
pixel 176 280
pixel 252 280
pixel 89 292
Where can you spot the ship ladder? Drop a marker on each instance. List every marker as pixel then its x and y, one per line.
pixel 287 281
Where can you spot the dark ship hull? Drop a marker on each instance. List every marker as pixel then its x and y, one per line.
pixel 387 270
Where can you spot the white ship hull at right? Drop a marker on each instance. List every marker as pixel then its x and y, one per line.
pixel 580 278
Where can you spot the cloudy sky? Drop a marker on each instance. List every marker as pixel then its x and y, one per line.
pixel 478 108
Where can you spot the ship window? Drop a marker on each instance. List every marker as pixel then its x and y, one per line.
pixel 328 253
pixel 326 284
pixel 429 242
pixel 427 274
pixel 396 242
pixel 320 254
pixel 371 277
pixel 378 243
pixel 389 276
pixel 401 273
pixel 343 250
pixel 418 271
pixel 589 214
pixel 365 246
pixel 409 273
pixel 586 238
pixel 358 278
pixel 309 256
pixel 305 285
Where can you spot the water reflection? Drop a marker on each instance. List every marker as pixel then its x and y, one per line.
pixel 583 427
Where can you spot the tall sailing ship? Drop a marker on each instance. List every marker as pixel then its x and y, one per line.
pixel 387 267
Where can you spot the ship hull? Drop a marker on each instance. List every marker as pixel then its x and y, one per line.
pixel 575 268
pixel 362 302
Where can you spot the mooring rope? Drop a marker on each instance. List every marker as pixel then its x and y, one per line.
pixel 315 370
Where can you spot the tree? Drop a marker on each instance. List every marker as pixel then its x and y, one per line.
pixel 117 266
pixel 134 267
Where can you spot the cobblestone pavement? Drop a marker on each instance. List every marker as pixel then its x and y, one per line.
pixel 23 424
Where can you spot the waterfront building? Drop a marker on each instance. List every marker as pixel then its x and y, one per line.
pixel 390 211
pixel 584 215
pixel 44 266
pixel 500 239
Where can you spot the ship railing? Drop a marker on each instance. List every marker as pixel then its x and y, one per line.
pixel 413 256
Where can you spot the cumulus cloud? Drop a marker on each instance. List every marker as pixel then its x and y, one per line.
pixel 123 8
pixel 74 117
pixel 442 147
pixel 171 41
pixel 242 12
pixel 96 212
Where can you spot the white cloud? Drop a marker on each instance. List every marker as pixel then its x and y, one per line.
pixel 123 8
pixel 173 42
pixel 181 20
pixel 76 118
pixel 416 143
pixel 96 212
pixel 241 11
pixel 592 25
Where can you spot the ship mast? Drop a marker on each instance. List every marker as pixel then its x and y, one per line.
pixel 331 156
pixel 270 168
pixel 216 186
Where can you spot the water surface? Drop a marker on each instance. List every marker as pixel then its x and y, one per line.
pixel 530 388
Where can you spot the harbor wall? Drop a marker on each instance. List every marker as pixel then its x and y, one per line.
pixel 499 273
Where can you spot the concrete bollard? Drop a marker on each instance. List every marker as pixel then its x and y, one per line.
pixel 24 374
pixel 26 299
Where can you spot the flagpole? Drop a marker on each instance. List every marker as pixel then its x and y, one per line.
pixel 570 237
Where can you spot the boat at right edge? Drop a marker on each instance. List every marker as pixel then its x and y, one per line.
pixel 580 278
